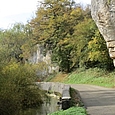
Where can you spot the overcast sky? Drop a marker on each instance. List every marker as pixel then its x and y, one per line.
pixel 12 11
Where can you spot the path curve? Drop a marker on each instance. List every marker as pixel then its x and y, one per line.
pixel 97 100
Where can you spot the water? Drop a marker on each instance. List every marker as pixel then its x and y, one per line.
pixel 49 106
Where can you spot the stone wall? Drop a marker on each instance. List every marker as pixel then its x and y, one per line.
pixel 53 86
pixel 103 13
pixel 58 87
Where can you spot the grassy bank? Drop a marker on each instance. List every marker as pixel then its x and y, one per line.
pixel 71 111
pixel 93 76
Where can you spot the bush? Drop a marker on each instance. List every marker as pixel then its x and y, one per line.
pixel 71 111
pixel 17 89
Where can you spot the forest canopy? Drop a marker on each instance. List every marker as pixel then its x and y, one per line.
pixel 67 29
pixel 63 27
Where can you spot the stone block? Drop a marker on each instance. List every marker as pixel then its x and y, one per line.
pixel 111 44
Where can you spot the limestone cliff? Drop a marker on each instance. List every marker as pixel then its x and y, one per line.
pixel 38 56
pixel 103 13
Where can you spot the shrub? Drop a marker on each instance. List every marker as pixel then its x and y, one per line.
pixel 71 111
pixel 18 90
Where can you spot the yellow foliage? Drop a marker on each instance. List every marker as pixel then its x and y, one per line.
pixel 94 55
pixel 76 12
pixel 10 67
pixel 64 41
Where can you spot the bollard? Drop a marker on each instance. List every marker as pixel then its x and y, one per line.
pixel 66 99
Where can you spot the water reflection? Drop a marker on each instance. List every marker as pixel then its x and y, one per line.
pixel 49 106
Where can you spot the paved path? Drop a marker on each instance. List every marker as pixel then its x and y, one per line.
pixel 97 100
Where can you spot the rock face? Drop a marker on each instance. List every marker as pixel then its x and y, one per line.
pixel 38 57
pixel 103 13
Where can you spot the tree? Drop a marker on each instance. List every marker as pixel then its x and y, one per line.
pixel 53 26
pixel 66 29
pixel 84 31
pixel 17 41
pixel 17 88
pixel 98 51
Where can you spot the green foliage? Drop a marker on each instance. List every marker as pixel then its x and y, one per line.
pixel 83 34
pixel 17 89
pixel 16 43
pixel 98 51
pixel 70 33
pixel 71 111
pixel 54 26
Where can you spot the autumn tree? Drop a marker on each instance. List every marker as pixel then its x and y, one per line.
pixel 98 54
pixel 67 30
pixel 53 26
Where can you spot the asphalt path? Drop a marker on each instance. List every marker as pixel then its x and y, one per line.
pixel 97 100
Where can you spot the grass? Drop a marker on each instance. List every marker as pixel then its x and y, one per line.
pixel 75 98
pixel 94 76
pixel 71 111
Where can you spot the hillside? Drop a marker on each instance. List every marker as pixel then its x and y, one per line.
pixel 93 76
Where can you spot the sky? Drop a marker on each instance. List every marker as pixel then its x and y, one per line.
pixel 13 11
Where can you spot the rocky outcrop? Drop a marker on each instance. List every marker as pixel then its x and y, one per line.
pixel 103 13
pixel 38 57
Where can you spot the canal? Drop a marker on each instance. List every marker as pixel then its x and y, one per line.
pixel 49 106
